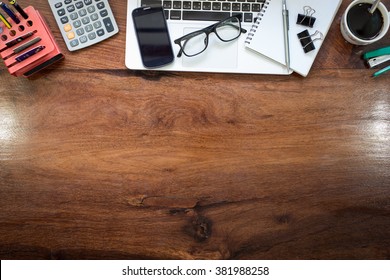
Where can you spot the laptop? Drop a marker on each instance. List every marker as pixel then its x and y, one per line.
pixel 184 16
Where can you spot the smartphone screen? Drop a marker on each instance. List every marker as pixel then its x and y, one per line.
pixel 153 36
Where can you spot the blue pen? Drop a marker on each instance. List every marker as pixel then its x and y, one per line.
pixel 9 12
pixel 380 72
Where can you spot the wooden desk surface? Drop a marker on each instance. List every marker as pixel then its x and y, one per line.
pixel 101 162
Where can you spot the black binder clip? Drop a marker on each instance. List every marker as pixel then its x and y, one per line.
pixel 307 40
pixel 307 18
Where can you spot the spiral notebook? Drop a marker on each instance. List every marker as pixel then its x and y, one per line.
pixel 266 35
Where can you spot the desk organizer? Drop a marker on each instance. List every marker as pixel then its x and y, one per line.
pixel 34 27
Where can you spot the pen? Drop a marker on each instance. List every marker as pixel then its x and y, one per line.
pixel 19 9
pixel 285 29
pixel 29 53
pixel 27 45
pixel 9 12
pixel 380 72
pixel 6 23
pixel 19 39
pixel 23 47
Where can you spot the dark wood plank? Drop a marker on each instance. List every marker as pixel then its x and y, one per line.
pixel 101 162
pixel 195 166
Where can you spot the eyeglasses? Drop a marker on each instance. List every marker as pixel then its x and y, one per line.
pixel 196 42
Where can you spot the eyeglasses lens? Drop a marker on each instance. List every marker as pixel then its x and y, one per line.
pixel 195 44
pixel 229 29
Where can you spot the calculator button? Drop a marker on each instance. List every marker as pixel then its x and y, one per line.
pixel 108 24
pixel 61 12
pixel 97 24
pixel 64 19
pixel 80 31
pixel 58 5
pixel 100 5
pixel 70 35
pixel 71 8
pixel 100 32
pixel 68 2
pixel 88 28
pixel 67 27
pixel 79 5
pixel 87 2
pixel 74 43
pixel 74 16
pixel 85 20
pixel 77 23
pixel 82 12
pixel 103 13
pixel 94 17
pixel 92 35
pixel 91 9
pixel 83 39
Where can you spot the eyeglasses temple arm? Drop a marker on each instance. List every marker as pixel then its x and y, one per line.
pixel 180 52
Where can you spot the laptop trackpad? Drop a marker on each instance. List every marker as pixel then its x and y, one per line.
pixel 217 55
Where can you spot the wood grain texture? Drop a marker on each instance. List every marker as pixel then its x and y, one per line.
pixel 100 162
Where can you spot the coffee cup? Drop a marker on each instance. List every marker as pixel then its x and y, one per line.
pixel 360 27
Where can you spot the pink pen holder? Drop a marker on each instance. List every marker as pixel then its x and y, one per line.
pixel 29 46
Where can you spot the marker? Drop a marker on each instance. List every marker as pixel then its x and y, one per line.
pixel 19 9
pixel 29 53
pixel 380 72
pixel 23 47
pixel 19 39
pixel 9 12
pixel 27 45
pixel 6 23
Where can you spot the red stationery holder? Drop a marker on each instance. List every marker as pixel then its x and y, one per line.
pixel 34 62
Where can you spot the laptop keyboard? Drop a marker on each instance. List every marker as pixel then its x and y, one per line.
pixel 207 10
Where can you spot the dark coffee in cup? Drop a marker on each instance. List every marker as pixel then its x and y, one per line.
pixel 362 23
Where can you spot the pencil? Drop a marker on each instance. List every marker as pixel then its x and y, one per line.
pixel 6 23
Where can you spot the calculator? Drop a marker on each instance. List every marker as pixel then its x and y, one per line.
pixel 84 22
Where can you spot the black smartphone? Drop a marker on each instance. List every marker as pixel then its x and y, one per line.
pixel 153 36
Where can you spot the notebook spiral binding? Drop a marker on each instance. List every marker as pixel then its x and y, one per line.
pixel 259 17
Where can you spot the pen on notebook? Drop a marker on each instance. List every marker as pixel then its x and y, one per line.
pixel 5 21
pixel 285 31
pixel 19 9
pixel 9 12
